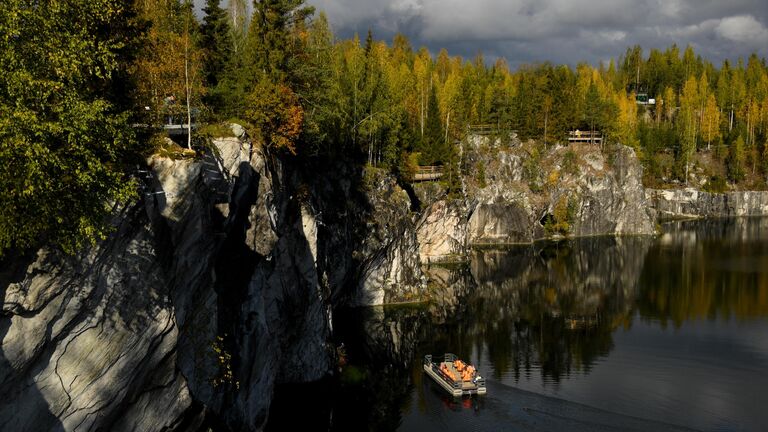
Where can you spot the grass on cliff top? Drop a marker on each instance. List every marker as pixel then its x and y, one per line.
pixel 216 130
pixel 161 145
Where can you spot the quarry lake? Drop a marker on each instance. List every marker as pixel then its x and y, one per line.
pixel 604 333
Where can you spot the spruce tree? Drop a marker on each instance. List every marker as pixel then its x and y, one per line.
pixel 265 77
pixel 216 42
pixel 435 151
pixel 269 36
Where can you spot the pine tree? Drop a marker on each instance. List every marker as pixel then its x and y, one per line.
pixel 435 149
pixel 266 77
pixel 269 35
pixel 215 41
pixel 319 89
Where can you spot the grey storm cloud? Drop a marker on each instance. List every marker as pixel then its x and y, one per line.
pixel 560 31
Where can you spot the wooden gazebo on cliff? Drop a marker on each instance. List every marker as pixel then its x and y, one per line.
pixel 592 137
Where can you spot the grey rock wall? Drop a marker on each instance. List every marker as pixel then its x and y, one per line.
pixel 149 330
pixel 615 202
pixel 390 270
pixel 607 199
pixel 681 203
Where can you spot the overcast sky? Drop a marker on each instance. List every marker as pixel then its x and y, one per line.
pixel 560 31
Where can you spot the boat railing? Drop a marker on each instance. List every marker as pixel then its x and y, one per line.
pixel 479 381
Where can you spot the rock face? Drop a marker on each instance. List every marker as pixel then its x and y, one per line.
pixel 678 203
pixel 601 198
pixel 614 203
pixel 390 270
pixel 442 232
pixel 503 222
pixel 213 288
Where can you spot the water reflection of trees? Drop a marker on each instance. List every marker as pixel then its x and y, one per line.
pixel 552 306
pixel 555 306
pixel 381 343
pixel 707 270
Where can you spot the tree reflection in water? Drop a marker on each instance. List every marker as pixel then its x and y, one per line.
pixel 714 269
pixel 550 309
pixel 553 305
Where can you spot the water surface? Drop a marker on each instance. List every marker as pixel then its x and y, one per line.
pixel 631 333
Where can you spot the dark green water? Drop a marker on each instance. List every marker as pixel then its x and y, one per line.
pixel 662 333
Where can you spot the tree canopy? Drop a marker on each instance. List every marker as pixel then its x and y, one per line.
pixel 75 71
pixel 63 128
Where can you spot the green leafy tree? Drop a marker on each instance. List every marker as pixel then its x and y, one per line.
pixel 62 135
pixel 710 121
pixel 169 66
pixel 688 123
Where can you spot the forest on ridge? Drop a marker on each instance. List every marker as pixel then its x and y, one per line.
pixel 81 75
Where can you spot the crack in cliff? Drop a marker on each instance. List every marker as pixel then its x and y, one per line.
pixel 56 367
pixel 99 404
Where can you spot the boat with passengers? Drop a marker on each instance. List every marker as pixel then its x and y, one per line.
pixel 454 375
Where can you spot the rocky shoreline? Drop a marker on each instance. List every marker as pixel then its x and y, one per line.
pixel 692 203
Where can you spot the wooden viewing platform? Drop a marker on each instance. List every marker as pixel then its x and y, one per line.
pixel 483 129
pixel 593 137
pixel 428 173
pixel 178 129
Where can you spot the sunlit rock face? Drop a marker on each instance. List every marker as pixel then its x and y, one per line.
pixel 615 202
pixel 120 337
pixel 518 198
pixel 442 232
pixel 504 222
pixel 675 203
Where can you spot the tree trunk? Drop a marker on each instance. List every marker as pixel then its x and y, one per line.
pixel 421 107
pixel 730 123
pixel 447 123
pixel 186 84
